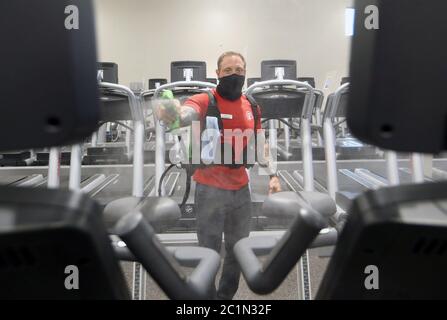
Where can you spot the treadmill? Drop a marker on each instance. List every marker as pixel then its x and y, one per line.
pixel 181 71
pixel 114 108
pixel 188 78
pixel 17 158
pixel 284 98
pixel 119 102
pixel 347 147
pixel 346 179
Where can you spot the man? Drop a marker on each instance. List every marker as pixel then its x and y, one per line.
pixel 222 197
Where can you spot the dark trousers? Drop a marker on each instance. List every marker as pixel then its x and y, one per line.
pixel 222 211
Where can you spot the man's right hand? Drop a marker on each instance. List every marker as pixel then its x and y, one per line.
pixel 168 111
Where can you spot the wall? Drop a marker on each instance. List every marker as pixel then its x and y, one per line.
pixel 144 36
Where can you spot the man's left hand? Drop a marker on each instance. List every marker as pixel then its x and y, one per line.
pixel 274 185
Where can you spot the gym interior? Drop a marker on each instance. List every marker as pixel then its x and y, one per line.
pixel 98 195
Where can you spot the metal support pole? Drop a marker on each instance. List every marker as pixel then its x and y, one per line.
pixel 331 158
pixel 273 139
pixel 54 166
pixel 287 136
pixel 306 147
pixel 159 156
pixel 102 134
pixel 417 168
pixel 138 160
pixel 75 167
pixel 428 165
pixel 128 139
pixel 392 168
pixel 95 139
pixel 319 124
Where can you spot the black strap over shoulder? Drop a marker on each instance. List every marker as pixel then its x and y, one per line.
pixel 213 109
pixel 254 109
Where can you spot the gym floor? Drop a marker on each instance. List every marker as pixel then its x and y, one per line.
pixel 290 289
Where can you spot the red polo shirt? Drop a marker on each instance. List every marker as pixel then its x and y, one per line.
pixel 238 115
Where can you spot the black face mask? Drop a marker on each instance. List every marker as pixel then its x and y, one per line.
pixel 230 87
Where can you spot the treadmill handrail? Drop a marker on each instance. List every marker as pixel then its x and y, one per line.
pixel 307 108
pixel 319 96
pixel 186 84
pixel 336 100
pixel 136 108
pixel 316 103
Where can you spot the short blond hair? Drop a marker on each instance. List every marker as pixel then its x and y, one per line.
pixel 229 54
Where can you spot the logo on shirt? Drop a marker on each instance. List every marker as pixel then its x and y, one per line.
pixel 249 115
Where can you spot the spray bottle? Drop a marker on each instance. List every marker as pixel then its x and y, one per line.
pixel 167 101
